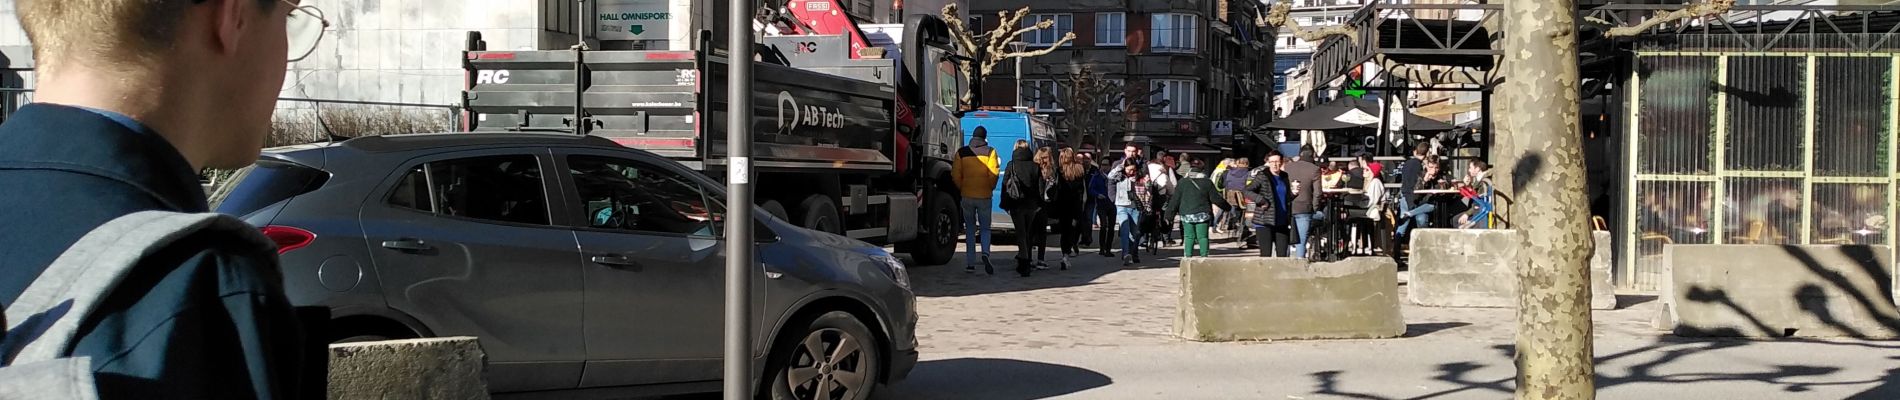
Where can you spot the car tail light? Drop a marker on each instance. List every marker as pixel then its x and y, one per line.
pixel 288 238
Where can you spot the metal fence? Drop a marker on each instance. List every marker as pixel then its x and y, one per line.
pixel 299 120
pixel 1758 147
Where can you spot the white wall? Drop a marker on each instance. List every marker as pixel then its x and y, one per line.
pixel 406 51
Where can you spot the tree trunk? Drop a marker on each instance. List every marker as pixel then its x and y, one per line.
pixel 1553 322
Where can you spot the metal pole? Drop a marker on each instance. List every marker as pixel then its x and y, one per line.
pixel 1019 82
pixel 739 243
pixel 580 70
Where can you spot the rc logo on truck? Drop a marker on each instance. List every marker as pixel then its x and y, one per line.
pixel 496 77
pixel 818 116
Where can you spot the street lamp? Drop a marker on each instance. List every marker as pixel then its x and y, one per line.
pixel 1017 47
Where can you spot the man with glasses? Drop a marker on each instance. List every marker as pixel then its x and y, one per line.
pixel 135 98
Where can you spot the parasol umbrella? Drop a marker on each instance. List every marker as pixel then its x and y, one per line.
pixel 1349 112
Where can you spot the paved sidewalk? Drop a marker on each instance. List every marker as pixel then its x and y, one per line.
pixel 1101 303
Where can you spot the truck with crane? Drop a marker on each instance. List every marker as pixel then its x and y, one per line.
pixel 854 127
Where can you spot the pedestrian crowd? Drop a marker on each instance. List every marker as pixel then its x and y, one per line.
pixel 1301 207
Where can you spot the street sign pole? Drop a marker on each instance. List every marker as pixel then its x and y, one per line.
pixel 739 243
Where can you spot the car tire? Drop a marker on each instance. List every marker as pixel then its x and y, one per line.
pixel 775 208
pixel 850 374
pixel 941 222
pixel 819 213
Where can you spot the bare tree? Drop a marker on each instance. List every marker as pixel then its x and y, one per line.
pixel 992 47
pixel 1095 105
pixel 1554 346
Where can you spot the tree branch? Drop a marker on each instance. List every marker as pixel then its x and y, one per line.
pixel 1046 50
pixel 1279 17
pixel 1698 10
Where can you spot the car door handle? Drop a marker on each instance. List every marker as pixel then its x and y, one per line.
pixel 617 261
pixel 407 245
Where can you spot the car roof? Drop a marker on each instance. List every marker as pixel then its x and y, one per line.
pixel 394 143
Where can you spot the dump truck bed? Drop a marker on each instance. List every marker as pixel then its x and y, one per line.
pixel 673 103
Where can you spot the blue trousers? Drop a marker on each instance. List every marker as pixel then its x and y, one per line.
pixel 976 227
pixel 1129 219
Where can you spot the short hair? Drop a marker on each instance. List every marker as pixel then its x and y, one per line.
pixel 1307 153
pixel 134 31
pixel 1482 166
pixel 1422 149
pixel 1272 154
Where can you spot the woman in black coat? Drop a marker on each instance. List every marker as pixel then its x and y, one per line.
pixel 1271 191
pixel 1070 206
pixel 1023 191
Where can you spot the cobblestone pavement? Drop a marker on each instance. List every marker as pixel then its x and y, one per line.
pixel 1100 303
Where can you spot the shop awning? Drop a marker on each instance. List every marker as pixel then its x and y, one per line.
pixel 1349 112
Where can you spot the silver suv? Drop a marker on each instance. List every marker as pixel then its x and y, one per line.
pixel 578 263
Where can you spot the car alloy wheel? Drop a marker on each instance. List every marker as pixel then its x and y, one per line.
pixel 829 364
pixel 835 358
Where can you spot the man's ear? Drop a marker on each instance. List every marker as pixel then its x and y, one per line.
pixel 231 17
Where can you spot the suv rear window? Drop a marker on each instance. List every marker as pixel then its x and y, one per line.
pixel 267 183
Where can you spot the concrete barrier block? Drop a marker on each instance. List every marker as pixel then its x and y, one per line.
pixel 1229 299
pixel 1478 268
pixel 413 369
pixel 1781 291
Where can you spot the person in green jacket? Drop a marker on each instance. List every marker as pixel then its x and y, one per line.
pixel 1194 200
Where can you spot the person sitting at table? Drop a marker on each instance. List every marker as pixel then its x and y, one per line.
pixel 1333 177
pixel 1477 177
pixel 1416 208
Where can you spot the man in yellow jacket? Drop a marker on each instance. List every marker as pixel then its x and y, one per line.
pixel 975 175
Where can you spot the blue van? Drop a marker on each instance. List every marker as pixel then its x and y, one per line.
pixel 1004 129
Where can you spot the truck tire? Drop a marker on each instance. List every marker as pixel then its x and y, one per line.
pixel 819 213
pixel 776 209
pixel 941 223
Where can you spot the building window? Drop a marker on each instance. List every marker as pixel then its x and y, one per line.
pixel 1178 94
pixel 1042 94
pixel 1111 29
pixel 1064 23
pixel 1174 32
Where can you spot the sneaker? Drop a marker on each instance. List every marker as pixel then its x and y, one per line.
pixel 969 269
pixel 1042 266
pixel 1065 265
pixel 987 267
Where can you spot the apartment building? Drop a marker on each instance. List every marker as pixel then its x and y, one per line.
pixel 1190 65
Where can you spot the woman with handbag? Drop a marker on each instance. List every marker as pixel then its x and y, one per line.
pixel 1023 191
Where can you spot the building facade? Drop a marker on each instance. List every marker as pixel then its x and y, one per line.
pixel 1190 66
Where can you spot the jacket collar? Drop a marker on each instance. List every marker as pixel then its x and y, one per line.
pixel 45 136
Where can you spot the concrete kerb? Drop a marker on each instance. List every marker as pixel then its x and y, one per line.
pixel 1254 298
pixel 412 369
pixel 1478 268
pixel 1779 291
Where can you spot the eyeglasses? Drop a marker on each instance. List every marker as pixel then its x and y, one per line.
pixel 305 28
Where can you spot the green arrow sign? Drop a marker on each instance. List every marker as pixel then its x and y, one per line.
pixel 636 29
pixel 1352 89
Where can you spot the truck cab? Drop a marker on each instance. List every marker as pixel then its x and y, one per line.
pixel 1004 128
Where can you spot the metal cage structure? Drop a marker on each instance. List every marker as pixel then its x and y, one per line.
pixel 1764 125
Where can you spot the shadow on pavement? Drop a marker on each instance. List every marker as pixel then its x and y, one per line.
pixel 992 379
pixel 1625 301
pixel 1793 379
pixel 950 280
pixel 1416 330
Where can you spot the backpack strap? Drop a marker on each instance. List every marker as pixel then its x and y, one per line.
pixel 45 319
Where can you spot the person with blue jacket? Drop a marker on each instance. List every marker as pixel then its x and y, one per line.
pixel 1272 194
pixel 131 105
